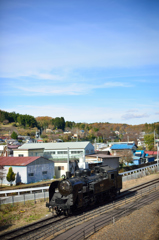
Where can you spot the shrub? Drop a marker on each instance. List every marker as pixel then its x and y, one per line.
pixel 5 122
pixel 14 124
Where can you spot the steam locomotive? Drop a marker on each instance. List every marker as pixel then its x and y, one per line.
pixel 85 188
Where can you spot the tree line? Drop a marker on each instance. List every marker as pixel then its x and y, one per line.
pixel 60 123
pixel 22 120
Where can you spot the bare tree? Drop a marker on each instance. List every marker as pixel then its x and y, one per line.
pixel 126 156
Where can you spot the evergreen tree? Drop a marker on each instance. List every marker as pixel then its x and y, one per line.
pixel 14 135
pixel 10 176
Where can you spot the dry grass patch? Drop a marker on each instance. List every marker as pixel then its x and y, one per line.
pixel 19 215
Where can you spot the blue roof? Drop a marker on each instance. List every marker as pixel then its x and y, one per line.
pixel 122 146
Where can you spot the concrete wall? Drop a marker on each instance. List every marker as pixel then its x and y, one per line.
pixel 54 154
pixel 112 162
pixel 140 172
pixel 16 153
pixel 59 173
pixel 28 153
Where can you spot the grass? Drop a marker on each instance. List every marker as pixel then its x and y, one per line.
pixel 18 215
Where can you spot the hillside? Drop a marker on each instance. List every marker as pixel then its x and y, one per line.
pixel 53 128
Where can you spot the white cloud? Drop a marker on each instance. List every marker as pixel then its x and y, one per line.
pixel 63 88
pixel 46 76
pixel 132 110
pixel 131 116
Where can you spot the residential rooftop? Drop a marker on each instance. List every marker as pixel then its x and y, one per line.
pixel 16 161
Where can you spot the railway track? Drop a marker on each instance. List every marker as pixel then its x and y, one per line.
pixel 138 188
pixel 57 225
pixel 90 227
pixel 31 229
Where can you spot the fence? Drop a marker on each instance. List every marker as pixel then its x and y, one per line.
pixel 24 197
pixel 27 195
pixel 140 172
pixel 34 194
pixel 23 190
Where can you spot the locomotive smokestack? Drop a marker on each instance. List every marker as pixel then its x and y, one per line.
pixel 68 174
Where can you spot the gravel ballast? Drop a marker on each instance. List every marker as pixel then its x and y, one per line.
pixel 142 224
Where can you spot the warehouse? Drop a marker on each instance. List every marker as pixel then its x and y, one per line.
pixel 28 169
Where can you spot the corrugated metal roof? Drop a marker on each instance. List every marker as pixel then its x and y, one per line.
pixel 122 146
pixel 16 161
pixel 59 145
pixel 100 155
pixel 151 152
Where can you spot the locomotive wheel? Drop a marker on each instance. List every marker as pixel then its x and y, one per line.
pixel 66 213
pixel 58 212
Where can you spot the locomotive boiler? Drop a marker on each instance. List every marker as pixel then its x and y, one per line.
pixel 84 189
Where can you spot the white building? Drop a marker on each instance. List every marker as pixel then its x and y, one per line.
pixel 28 169
pixel 57 152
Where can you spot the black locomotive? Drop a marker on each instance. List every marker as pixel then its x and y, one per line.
pixel 84 189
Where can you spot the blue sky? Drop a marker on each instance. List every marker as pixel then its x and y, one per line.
pixel 87 61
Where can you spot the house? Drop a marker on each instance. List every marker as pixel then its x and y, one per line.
pixel 119 148
pixel 153 154
pixel 141 157
pixel 10 149
pixel 67 132
pixel 58 152
pixel 28 169
pixel 97 158
pixel 100 146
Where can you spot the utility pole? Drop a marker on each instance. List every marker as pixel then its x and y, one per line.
pixel 68 159
pixel 154 138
